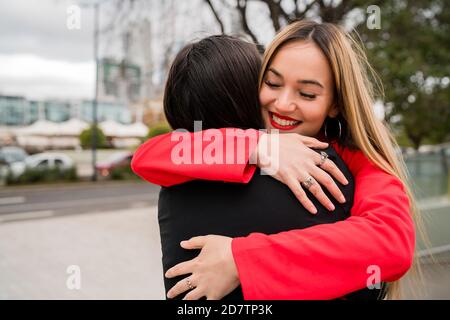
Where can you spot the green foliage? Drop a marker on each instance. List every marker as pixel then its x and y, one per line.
pixel 123 173
pixel 43 175
pixel 158 129
pixel 86 138
pixel 411 53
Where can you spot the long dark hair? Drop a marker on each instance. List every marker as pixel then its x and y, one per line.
pixel 214 80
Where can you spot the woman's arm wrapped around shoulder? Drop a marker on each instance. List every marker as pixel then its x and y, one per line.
pixel 214 154
pixel 330 260
pixel 230 155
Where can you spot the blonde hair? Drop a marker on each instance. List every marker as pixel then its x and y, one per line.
pixel 354 97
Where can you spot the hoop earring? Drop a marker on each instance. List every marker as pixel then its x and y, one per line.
pixel 326 127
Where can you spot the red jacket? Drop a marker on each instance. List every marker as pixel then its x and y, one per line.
pixel 321 262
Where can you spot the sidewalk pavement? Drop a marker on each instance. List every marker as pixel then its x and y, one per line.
pixel 119 257
pixel 118 254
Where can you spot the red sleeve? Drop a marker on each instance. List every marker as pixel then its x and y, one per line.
pixel 158 159
pixel 331 260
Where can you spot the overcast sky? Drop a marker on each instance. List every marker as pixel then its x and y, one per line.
pixel 39 56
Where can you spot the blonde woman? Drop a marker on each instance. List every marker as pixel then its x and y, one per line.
pixel 313 83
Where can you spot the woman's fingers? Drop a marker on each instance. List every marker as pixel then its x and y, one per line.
pixel 298 161
pixel 181 286
pixel 331 168
pixel 317 192
pixel 313 142
pixel 300 194
pixel 328 165
pixel 195 294
pixel 194 243
pixel 325 180
pixel 212 297
pixel 180 269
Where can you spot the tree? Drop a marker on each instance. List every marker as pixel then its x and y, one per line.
pixel 158 129
pixel 86 138
pixel 284 12
pixel 411 53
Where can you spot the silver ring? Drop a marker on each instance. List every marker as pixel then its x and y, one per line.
pixel 323 158
pixel 189 284
pixel 308 183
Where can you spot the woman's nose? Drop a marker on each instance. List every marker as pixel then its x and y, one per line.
pixel 285 103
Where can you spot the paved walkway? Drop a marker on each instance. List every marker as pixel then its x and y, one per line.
pixel 118 254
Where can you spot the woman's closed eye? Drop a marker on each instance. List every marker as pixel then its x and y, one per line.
pixel 271 84
pixel 307 95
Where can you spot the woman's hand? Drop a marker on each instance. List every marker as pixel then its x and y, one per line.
pixel 213 271
pixel 296 162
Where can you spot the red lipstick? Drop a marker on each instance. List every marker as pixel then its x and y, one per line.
pixel 280 126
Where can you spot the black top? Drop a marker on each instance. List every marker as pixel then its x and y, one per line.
pixel 233 209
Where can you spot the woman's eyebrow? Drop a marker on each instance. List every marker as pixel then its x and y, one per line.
pixel 306 81
pixel 314 82
pixel 276 72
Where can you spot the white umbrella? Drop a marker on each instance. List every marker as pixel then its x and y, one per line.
pixel 137 129
pixel 39 128
pixel 72 127
pixel 111 128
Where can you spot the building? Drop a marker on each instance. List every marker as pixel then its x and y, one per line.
pixel 42 125
pixel 16 111
pixel 119 81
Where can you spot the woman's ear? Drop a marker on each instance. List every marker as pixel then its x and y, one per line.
pixel 333 112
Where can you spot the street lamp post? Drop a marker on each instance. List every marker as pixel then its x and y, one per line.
pixel 94 103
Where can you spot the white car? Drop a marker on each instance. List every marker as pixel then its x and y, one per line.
pixel 46 160
pixel 9 155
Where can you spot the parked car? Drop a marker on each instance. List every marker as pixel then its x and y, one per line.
pixel 117 160
pixel 44 161
pixel 12 154
pixel 8 156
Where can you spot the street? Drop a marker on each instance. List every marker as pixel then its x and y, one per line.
pixel 18 203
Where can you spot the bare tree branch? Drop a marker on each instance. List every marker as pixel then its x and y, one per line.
pixel 282 12
pixel 302 14
pixel 216 15
pixel 328 13
pixel 275 11
pixel 242 9
pixel 296 7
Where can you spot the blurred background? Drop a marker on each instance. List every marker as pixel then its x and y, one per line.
pixel 81 87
